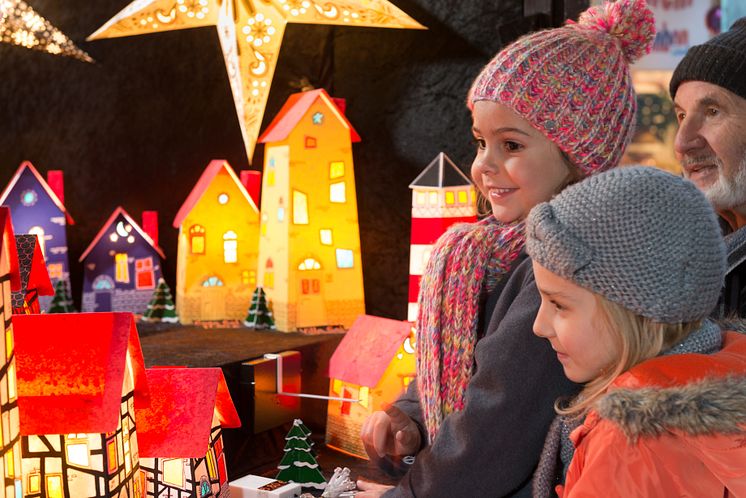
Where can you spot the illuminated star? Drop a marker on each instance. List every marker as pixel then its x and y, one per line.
pixel 318 118
pixel 21 25
pixel 250 33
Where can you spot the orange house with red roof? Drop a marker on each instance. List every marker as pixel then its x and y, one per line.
pixel 77 375
pixel 309 243
pixel 373 364
pixel 35 280
pixel 179 434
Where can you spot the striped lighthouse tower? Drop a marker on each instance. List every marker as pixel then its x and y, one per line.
pixel 441 196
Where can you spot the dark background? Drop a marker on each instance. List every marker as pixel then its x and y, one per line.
pixel 137 127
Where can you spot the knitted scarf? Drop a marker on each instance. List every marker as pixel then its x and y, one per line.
pixel 466 264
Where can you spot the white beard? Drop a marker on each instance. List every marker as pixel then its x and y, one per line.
pixel 728 193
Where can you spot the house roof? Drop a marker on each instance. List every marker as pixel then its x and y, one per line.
pixel 178 422
pixel 26 165
pixel 70 371
pixel 32 268
pixel 215 167
pixel 293 111
pixel 120 211
pixel 8 250
pixel 441 173
pixel 367 349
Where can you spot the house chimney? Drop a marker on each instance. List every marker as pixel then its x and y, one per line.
pixel 150 225
pixel 252 180
pixel 56 182
pixel 340 103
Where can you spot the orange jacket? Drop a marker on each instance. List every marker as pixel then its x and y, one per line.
pixel 672 426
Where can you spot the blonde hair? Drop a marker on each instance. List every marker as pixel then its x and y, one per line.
pixel 638 338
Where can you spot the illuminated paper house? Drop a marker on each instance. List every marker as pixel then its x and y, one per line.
pixel 37 207
pixel 441 196
pixel 374 364
pixel 309 243
pixel 218 246
pixel 10 443
pixel 77 378
pixel 34 277
pixel 179 434
pixel 121 266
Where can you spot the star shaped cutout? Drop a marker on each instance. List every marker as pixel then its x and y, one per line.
pixel 250 33
pixel 318 118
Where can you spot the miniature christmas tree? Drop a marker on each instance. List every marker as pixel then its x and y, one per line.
pixel 61 302
pixel 299 465
pixel 260 316
pixel 161 306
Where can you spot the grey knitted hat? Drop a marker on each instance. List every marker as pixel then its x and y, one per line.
pixel 640 237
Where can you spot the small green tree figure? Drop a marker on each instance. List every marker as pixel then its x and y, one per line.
pixel 260 316
pixel 299 465
pixel 161 307
pixel 61 302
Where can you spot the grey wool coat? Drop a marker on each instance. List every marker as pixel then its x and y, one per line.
pixel 491 448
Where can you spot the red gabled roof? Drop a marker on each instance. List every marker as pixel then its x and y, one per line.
pixel 119 210
pixel 70 371
pixel 27 164
pixel 215 166
pixel 367 349
pixel 8 250
pixel 36 275
pixel 293 111
pixel 178 421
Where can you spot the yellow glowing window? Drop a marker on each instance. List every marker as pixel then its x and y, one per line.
pixel 34 482
pixel 10 465
pixel 336 170
pixel 463 197
pixel 264 229
pixel 271 177
pixel 54 270
pixel 363 396
pixel 12 381
pixel 269 279
pixel 8 343
pixel 173 472
pixel 433 200
pixel 111 452
pixel 300 208
pixel 337 192
pixel 309 264
pixel 54 486
pixel 450 198
pixel 230 247
pixel 211 468
pixel 39 232
pixel 326 236
pixel 336 386
pixel 77 453
pixel 122 268
pixel 197 239
pixel 421 198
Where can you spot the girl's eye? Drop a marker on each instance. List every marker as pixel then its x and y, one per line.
pixel 479 142
pixel 557 306
pixel 511 146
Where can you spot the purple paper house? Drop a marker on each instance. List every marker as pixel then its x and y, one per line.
pixel 122 265
pixel 37 208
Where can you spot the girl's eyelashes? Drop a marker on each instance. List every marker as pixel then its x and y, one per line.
pixel 557 306
pixel 512 146
pixel 479 142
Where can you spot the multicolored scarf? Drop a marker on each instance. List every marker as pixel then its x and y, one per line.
pixel 467 262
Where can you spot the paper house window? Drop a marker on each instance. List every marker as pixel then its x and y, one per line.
pixel 197 239
pixel 248 277
pixel 263 224
pixel 336 169
pixel 39 232
pixel 310 142
pixel 76 447
pixel 300 208
pixel 212 282
pixel 336 386
pixel 463 197
pixel 318 118
pixel 281 214
pixel 9 465
pixel 34 482
pixel 450 198
pixel 54 486
pixel 364 396
pixel 230 247
pixel 111 451
pixel 211 468
pixel 173 472
pixel 325 234
pixel 271 175
pixel 337 192
pixel 29 197
pixel 310 286
pixel 144 275
pixel 309 264
pixel 344 258
pixel 55 271
pixel 122 273
pixel 421 198
pixel 433 198
pixel 223 198
pixel 269 275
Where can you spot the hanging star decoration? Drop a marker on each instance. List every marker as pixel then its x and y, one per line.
pixel 250 33
pixel 21 25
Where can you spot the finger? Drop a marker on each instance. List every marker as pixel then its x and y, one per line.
pixel 382 437
pixel 407 441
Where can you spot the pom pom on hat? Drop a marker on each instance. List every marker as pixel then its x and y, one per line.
pixel 572 83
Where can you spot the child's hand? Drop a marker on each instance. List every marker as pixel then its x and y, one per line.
pixel 370 489
pixel 390 432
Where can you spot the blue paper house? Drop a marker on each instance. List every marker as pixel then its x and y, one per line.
pixel 37 208
pixel 121 266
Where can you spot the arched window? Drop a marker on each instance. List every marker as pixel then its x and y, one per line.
pixel 197 239
pixel 230 247
pixel 309 264
pixel 212 282
pixel 269 274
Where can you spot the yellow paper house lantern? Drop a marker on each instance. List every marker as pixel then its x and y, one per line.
pixel 309 243
pixel 218 245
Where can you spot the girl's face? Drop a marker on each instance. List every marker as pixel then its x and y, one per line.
pixel 516 166
pixel 570 318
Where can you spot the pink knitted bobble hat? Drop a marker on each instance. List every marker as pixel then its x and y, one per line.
pixel 573 84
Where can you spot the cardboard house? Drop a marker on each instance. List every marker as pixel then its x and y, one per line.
pixel 121 266
pixel 372 366
pixel 179 434
pixel 218 247
pixel 35 280
pixel 77 378
pixel 37 207
pixel 441 196
pixel 10 443
pixel 309 243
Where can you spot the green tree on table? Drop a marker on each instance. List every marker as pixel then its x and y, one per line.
pixel 299 465
pixel 161 307
pixel 62 302
pixel 260 316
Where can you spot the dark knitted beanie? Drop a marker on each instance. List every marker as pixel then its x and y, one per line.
pixel 720 61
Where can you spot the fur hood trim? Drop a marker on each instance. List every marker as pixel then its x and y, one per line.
pixel 704 407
